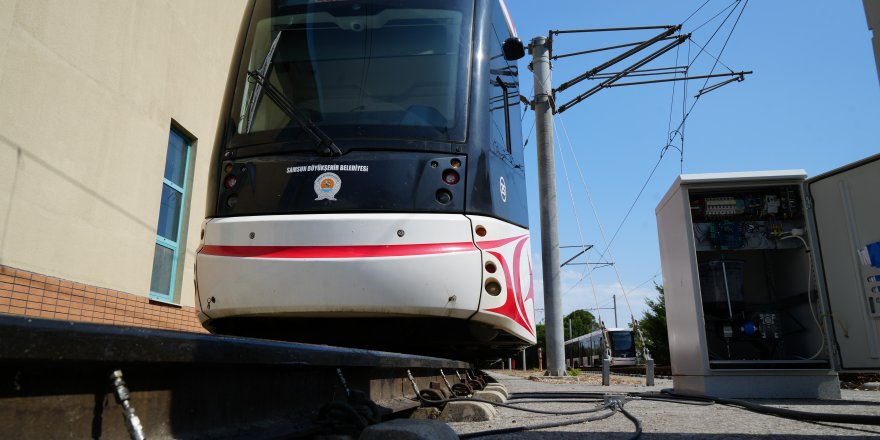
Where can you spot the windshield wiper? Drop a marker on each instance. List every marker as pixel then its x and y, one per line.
pixel 325 145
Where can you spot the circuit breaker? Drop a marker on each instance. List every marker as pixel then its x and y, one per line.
pixel 769 280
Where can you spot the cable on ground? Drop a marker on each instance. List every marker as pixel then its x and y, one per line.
pixel 632 418
pixel 861 419
pixel 611 411
pixel 505 405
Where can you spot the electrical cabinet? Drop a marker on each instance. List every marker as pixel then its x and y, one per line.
pixel 846 207
pixel 769 280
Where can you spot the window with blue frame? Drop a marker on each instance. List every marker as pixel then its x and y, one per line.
pixel 169 240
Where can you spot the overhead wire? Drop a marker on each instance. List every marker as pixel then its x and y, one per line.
pixel 674 87
pixel 715 16
pixel 583 243
pixel 695 12
pixel 534 120
pixel 679 130
pixel 727 40
pixel 602 233
pixel 716 58
pixel 633 204
pixel 648 280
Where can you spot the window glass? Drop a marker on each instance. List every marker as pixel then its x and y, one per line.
pixel 168 241
pixel 387 68
pixel 169 213
pixel 621 340
pixel 622 344
pixel 163 260
pixel 175 159
pixel 504 93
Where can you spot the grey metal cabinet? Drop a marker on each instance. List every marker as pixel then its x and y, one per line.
pixel 766 293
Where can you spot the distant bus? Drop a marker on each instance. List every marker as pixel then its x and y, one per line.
pixel 588 350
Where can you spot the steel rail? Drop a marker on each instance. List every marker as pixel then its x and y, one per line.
pixel 64 379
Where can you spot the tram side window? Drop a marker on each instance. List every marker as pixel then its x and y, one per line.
pixel 504 95
pixel 170 232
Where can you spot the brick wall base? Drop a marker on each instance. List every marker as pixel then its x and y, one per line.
pixel 31 294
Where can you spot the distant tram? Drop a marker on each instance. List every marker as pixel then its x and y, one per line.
pixel 368 186
pixel 588 350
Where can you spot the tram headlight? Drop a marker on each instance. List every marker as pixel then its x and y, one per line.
pixel 230 181
pixel 493 287
pixel 451 177
pixel 444 197
pixel 231 201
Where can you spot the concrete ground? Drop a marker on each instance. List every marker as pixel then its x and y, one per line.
pixel 662 420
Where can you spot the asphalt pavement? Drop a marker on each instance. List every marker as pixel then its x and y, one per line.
pixel 667 420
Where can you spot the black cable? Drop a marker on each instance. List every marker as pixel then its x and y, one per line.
pixel 716 16
pixel 522 401
pixel 703 48
pixel 633 205
pixel 633 419
pixel 858 419
pixel 530 133
pixel 724 46
pixel 685 116
pixel 672 100
pixel 505 405
pixel 540 395
pixel 610 413
pixel 345 412
pixel 718 29
pixel 695 12
pixel 804 416
pixel 527 109
pixel 670 393
pixel 678 401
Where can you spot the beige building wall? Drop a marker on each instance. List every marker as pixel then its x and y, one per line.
pixel 88 92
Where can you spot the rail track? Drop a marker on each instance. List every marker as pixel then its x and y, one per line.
pixel 72 380
pixel 634 370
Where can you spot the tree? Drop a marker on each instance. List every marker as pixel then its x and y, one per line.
pixel 582 322
pixel 653 325
pixel 532 352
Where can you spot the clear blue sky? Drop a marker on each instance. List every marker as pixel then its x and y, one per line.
pixel 813 103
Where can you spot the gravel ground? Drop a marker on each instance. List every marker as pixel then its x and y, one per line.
pixel 662 420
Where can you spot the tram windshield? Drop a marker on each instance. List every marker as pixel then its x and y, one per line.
pixel 391 69
pixel 622 344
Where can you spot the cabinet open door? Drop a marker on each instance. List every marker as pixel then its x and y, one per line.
pixel 846 214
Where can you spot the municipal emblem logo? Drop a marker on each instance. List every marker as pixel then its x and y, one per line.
pixel 327 185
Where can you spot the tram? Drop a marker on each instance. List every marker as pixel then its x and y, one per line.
pixel 588 350
pixel 368 186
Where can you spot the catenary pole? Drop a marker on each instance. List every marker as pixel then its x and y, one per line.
pixel 614 297
pixel 540 48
